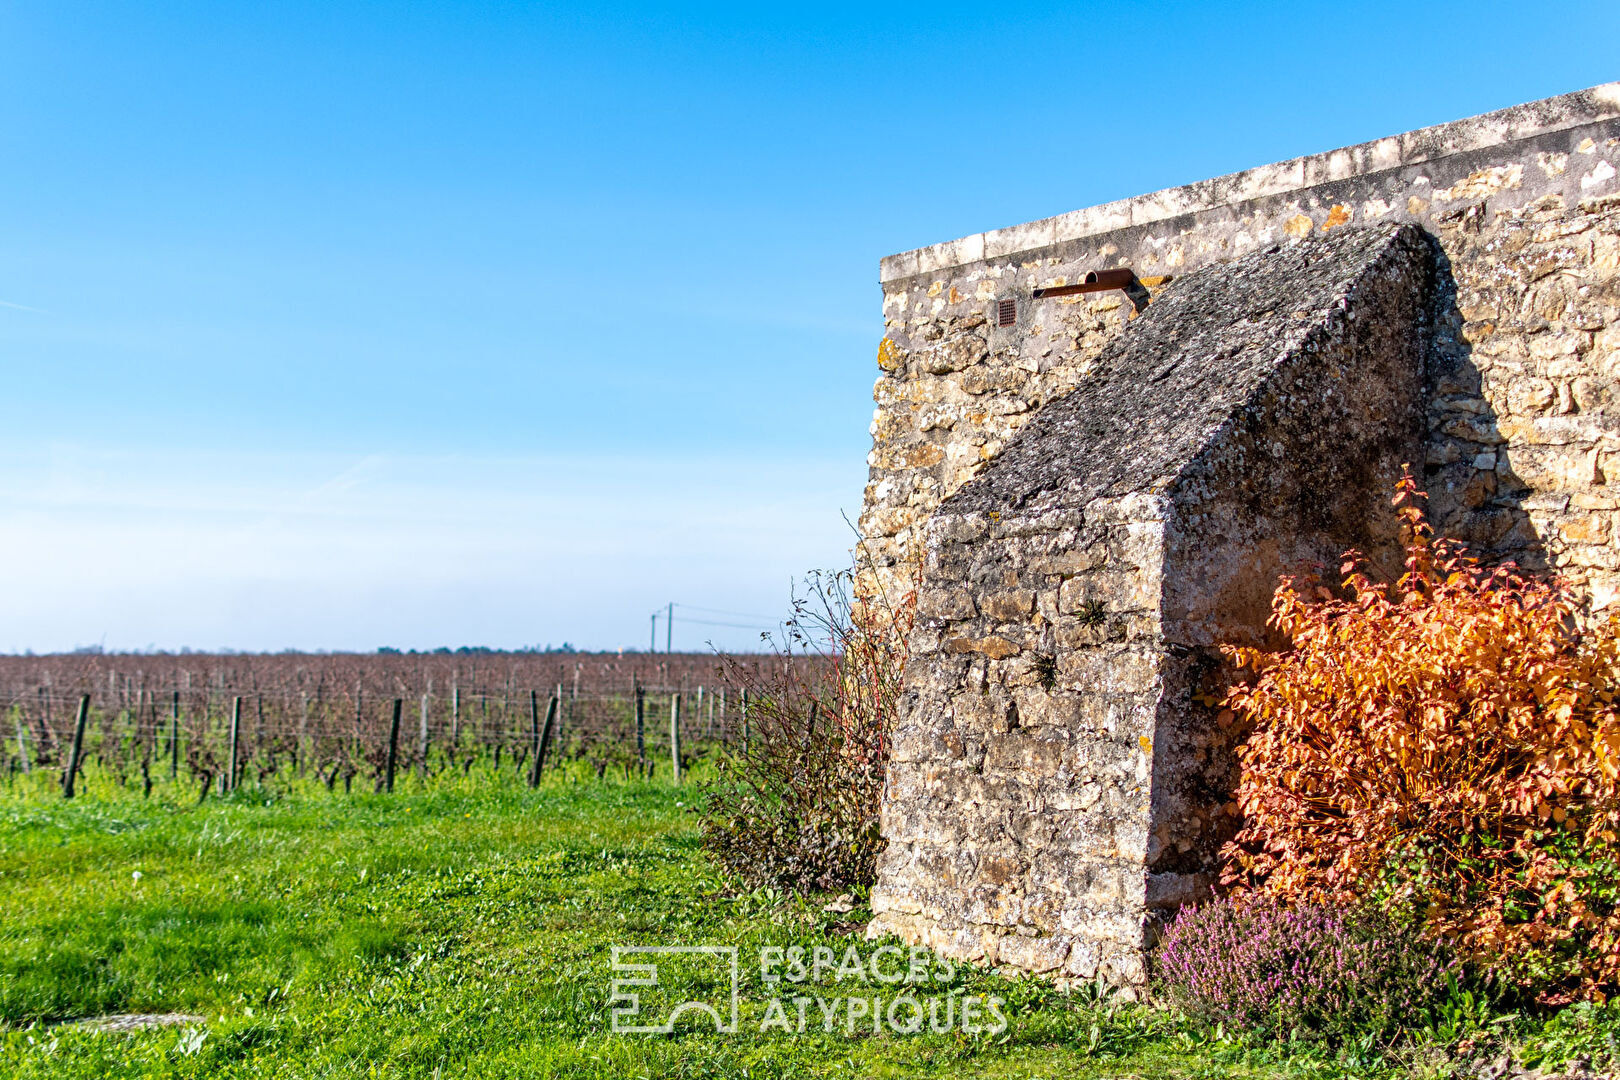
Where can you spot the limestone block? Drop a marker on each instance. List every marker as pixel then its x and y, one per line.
pixel 937 603
pixel 1027 753
pixel 992 645
pixel 1592 528
pixel 1083 633
pixel 1071 561
pixel 1125 969
pixel 884 900
pixel 954 354
pixel 1594 394
pixel 1113 922
pixel 1009 605
pixel 1083 796
pixel 1109 670
pixel 957 528
pixel 1170 891
pixel 1082 961
pixel 1474 429
pixel 887 521
pixel 991 907
pixel 972 946
pixel 1036 954
pixel 911 744
pixel 1040 708
pixel 1116 591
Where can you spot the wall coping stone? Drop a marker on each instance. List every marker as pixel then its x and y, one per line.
pixel 1503 126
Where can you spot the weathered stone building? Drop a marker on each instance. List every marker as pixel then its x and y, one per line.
pixel 1101 487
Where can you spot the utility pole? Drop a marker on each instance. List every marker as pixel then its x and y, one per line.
pixel 669 627
pixel 652 637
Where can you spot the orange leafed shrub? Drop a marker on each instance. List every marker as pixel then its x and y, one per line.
pixel 1448 745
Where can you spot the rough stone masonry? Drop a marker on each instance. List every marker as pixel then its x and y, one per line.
pixel 1097 490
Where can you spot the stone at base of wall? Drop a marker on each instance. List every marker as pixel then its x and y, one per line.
pixel 1167 892
pixel 1060 957
pixel 1063 958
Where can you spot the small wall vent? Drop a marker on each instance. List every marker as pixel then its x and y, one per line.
pixel 1006 312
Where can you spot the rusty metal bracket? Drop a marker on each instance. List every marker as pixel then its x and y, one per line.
pixel 1095 281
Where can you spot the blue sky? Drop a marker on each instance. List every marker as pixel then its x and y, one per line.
pixel 339 325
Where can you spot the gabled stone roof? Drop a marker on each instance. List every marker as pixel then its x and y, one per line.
pixel 1205 350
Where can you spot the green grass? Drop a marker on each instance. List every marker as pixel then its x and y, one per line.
pixel 460 931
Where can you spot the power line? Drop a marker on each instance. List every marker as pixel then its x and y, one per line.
pixel 738 626
pixel 765 623
pixel 721 611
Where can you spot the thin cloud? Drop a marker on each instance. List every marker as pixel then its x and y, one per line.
pixel 20 307
pixel 349 478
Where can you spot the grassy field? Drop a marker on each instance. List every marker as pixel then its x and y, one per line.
pixel 463 932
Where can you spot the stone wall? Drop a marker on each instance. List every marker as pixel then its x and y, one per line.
pixel 1055 776
pixel 1523 207
pixel 1055 780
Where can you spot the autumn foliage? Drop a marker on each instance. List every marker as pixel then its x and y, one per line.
pixel 1446 746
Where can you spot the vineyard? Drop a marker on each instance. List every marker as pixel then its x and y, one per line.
pixel 217 722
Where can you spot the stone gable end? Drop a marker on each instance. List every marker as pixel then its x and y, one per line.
pixel 1052 766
